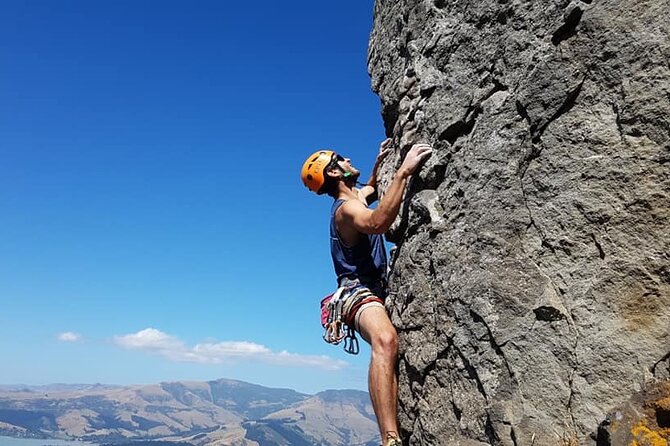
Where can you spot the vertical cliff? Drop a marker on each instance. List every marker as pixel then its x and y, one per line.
pixel 531 284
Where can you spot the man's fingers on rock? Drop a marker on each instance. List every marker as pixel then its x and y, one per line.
pixel 384 153
pixel 385 144
pixel 420 147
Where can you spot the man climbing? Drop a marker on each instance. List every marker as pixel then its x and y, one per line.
pixel 359 257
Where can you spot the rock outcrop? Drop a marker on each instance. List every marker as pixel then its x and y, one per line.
pixel 643 420
pixel 531 282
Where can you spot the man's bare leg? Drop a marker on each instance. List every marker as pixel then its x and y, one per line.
pixel 376 328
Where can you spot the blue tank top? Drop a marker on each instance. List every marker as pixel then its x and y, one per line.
pixel 365 261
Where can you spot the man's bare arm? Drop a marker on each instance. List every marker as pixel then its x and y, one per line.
pixel 378 221
pixel 368 193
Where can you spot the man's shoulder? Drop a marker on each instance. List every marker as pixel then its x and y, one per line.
pixel 352 206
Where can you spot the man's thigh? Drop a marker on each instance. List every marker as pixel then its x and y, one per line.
pixel 374 321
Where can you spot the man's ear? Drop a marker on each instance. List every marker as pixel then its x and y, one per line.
pixel 334 173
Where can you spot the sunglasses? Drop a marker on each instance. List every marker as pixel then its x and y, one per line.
pixel 335 160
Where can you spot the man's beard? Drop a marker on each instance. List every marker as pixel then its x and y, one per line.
pixel 352 179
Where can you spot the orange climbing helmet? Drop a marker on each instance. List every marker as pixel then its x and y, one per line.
pixel 313 171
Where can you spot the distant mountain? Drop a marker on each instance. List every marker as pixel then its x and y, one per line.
pixel 221 412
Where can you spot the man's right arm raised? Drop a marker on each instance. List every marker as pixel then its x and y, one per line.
pixel 380 219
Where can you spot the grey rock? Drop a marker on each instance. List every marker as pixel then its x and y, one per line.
pixel 531 280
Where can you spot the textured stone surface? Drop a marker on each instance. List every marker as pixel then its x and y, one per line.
pixel 644 420
pixel 531 283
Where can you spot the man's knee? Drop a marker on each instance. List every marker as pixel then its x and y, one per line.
pixel 377 329
pixel 386 342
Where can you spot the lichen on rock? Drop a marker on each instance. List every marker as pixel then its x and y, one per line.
pixel 643 420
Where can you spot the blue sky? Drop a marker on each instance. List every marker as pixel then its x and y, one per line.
pixel 153 225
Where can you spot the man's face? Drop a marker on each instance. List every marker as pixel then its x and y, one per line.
pixel 347 167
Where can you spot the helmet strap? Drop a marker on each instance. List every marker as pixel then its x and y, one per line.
pixel 346 176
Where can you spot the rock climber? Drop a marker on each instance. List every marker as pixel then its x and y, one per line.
pixel 359 257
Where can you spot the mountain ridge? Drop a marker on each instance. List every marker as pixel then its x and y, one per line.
pixel 218 412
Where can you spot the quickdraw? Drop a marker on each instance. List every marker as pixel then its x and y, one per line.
pixel 335 327
pixel 351 342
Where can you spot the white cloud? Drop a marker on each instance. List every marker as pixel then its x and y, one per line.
pixel 231 348
pixel 149 339
pixel 69 336
pixel 321 361
pixel 156 342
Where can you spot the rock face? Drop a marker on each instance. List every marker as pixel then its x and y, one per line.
pixel 531 284
pixel 643 420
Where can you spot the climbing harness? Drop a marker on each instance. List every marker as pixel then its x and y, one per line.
pixel 338 311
